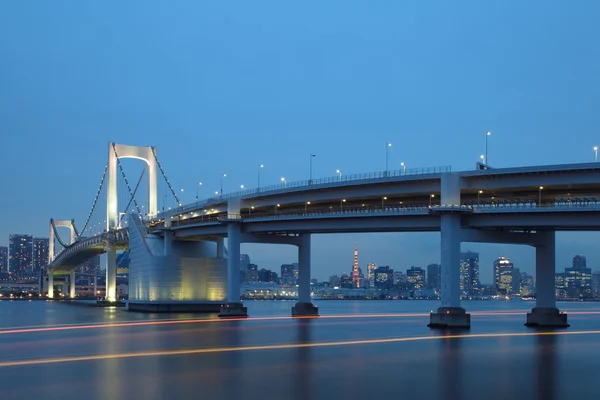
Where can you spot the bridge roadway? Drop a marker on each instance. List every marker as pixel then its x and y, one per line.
pixel 510 205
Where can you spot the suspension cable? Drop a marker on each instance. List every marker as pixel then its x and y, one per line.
pixel 165 176
pixel 87 221
pixel 126 181
pixel 134 191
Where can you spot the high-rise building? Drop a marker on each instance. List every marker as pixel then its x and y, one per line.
pixel 3 259
pixel 355 272
pixel 503 276
pixel 516 281
pixel 40 254
pixel 20 258
pixel 251 273
pixel 415 276
pixel 434 276
pixel 244 262
pixel 92 266
pixel 578 279
pixel 266 275
pixel 469 273
pixel 289 275
pixel 527 288
pixel 371 267
pixel 560 288
pixel 384 277
pixel 398 277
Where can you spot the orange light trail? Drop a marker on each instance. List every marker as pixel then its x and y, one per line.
pixel 163 353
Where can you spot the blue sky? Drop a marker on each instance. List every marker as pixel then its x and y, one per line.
pixel 221 86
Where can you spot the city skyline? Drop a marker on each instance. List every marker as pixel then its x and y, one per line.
pixel 276 95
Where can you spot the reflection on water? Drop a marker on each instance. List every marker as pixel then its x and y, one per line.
pixel 450 370
pixel 301 378
pixel 545 353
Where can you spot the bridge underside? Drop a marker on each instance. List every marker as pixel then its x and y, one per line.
pixel 73 261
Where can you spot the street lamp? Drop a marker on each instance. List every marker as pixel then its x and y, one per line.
pixel 540 196
pixel 306 205
pixel 222 176
pixel 478 194
pixel 384 198
pixel 339 172
pixel 310 172
pixel 430 199
pixel 197 188
pixel 596 153
pixel 342 204
pixel 482 157
pixel 403 168
pixel 284 182
pixel 242 187
pixel 387 146
pixel 488 133
pixel 258 167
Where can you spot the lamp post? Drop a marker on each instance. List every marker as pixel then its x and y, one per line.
pixel 487 133
pixel 596 153
pixel 222 176
pixel 242 187
pixel 284 182
pixel 339 172
pixel 478 194
pixel 306 206
pixel 540 196
pixel 342 204
pixel 403 168
pixel 383 199
pixel 197 190
pixel 482 157
pixel 310 172
pixel 430 199
pixel 258 167
pixel 387 146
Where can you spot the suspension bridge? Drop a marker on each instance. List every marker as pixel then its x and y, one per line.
pixel 178 259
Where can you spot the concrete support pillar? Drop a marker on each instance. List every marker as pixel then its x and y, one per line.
pixel 450 314
pixel 304 307
pixel 233 308
pixel 72 285
pixel 50 285
pixel 545 313
pixel 450 260
pixel 220 248
pixel 111 273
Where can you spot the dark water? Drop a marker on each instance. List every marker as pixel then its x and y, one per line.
pixel 350 352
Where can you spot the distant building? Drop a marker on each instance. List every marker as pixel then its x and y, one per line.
pixel 92 266
pixel 415 276
pixel 384 277
pixel 20 258
pixel 578 279
pixel 503 276
pixel 251 273
pixel 335 280
pixel 3 259
pixel 40 254
pixel 469 273
pixel 434 276
pixel 371 267
pixel 266 275
pixel 244 262
pixel 289 275
pixel 560 287
pixel 527 287
pixel 398 278
pixel 516 281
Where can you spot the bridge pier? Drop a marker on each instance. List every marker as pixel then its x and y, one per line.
pixel 72 285
pixel 50 285
pixel 304 307
pixel 234 307
pixel 111 273
pixel 545 314
pixel 450 314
